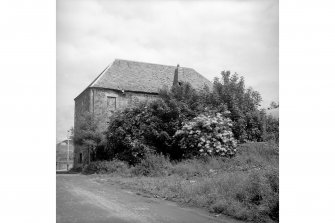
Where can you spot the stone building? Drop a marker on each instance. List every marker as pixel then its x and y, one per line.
pixel 121 84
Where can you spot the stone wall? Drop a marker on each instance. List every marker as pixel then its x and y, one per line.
pixel 102 109
pixel 83 104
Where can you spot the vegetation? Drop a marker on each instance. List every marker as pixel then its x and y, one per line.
pixel 184 123
pixel 245 186
pixel 207 135
pixel 134 132
pixel 88 136
pixel 161 125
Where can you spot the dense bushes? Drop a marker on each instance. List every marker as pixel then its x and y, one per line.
pixel 163 127
pixel 146 128
pixel 175 123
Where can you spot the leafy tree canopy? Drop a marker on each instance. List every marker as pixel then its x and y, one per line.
pixel 87 132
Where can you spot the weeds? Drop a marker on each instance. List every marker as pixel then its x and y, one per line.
pixel 103 167
pixel 152 165
pixel 245 187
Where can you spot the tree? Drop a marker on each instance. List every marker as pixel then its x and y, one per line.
pixel 230 94
pixel 272 129
pixel 87 134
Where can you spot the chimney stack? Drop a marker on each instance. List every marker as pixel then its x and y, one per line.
pixel 175 78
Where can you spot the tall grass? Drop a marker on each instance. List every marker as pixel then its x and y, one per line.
pixel 245 186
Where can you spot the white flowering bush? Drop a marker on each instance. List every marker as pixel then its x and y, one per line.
pixel 207 135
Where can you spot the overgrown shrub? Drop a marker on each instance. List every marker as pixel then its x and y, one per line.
pixel 125 135
pixel 148 127
pixel 207 135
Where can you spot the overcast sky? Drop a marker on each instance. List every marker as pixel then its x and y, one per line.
pixel 209 36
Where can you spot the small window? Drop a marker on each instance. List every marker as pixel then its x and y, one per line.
pixel 80 158
pixel 111 104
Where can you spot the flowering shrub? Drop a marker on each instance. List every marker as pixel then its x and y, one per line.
pixel 207 135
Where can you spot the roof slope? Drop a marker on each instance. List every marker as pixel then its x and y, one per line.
pixel 145 77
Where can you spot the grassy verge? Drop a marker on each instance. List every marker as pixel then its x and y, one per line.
pixel 245 187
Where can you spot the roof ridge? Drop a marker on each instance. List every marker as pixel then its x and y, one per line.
pixel 135 61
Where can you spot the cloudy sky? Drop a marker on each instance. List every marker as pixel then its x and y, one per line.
pixel 209 36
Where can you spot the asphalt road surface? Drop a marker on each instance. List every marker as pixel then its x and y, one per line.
pixel 82 199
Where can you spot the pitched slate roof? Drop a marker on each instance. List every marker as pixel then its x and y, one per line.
pixel 145 77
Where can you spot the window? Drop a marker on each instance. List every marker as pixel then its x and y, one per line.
pixel 80 158
pixel 111 104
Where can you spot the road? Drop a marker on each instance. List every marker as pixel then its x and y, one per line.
pixel 82 199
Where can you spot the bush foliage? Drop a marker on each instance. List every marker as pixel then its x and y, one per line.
pixel 87 134
pixel 149 127
pixel 183 122
pixel 207 135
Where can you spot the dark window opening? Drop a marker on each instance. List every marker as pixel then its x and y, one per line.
pixel 80 158
pixel 111 104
